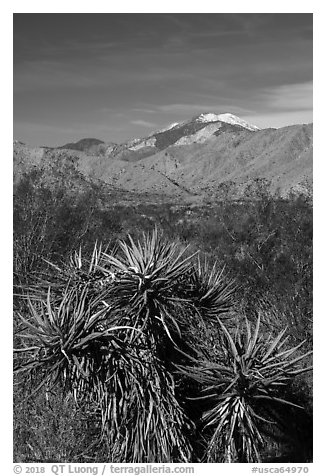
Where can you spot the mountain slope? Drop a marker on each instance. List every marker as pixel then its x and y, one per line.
pixel 192 158
pixel 283 156
pixel 90 146
pixel 197 129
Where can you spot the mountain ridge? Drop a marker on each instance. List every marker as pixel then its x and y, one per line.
pixel 193 157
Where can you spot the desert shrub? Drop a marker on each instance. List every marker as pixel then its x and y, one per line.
pixel 266 245
pixel 50 223
pixel 50 427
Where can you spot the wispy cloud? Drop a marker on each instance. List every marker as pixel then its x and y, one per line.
pixel 52 74
pixel 140 122
pixel 290 97
pixel 283 105
pixel 213 106
pixel 280 119
pixel 143 110
pixel 60 74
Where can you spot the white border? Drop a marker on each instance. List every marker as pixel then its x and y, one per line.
pixel 235 6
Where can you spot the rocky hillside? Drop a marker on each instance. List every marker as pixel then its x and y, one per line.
pixel 90 146
pixel 200 157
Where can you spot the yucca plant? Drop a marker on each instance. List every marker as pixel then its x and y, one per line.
pixel 114 327
pixel 143 420
pixel 241 387
pixel 162 289
pixel 209 290
pixel 146 294
pixel 149 277
pixel 67 341
pixel 80 270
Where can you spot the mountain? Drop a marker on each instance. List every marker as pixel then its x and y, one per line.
pixel 196 130
pixel 90 146
pixel 194 158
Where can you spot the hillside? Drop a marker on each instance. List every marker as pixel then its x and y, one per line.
pixel 90 146
pixel 196 158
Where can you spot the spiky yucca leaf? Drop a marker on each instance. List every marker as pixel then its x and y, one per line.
pixel 148 282
pixel 79 271
pixel 62 338
pixel 141 417
pixel 210 291
pixel 241 387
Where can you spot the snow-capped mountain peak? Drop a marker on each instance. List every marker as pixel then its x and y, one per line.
pixel 227 117
pixel 198 129
pixel 232 119
pixel 207 117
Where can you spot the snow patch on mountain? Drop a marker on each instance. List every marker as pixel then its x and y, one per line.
pixel 225 117
pixel 208 117
pixel 168 128
pixel 200 136
pixel 232 119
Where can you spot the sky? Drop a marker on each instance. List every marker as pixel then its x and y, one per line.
pixel 119 76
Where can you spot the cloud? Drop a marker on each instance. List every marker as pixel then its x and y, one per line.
pixel 203 107
pixel 283 105
pixel 140 122
pixel 36 75
pixel 280 119
pixel 290 97
pixel 144 110
pixel 50 74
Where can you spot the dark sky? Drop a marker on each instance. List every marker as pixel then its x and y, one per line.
pixel 119 76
